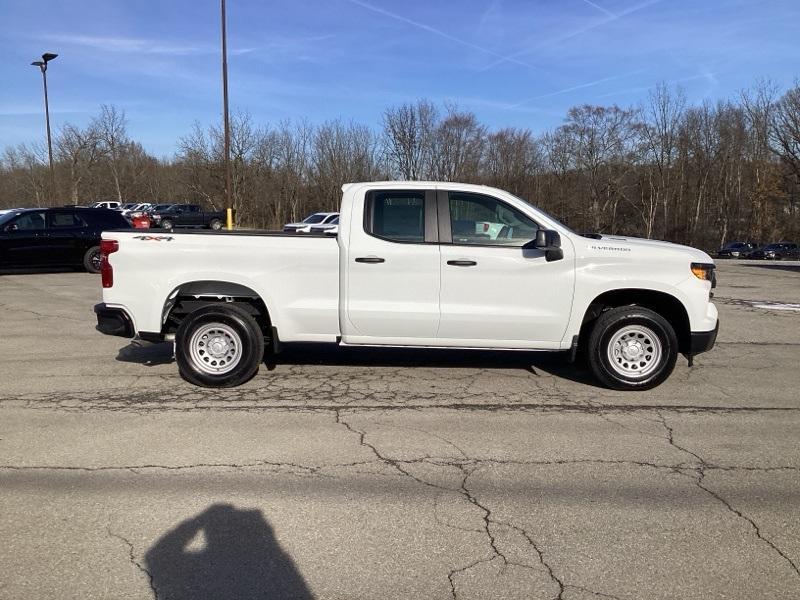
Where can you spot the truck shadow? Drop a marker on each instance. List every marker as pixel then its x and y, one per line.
pixel 554 363
pixel 149 355
pixel 222 553
pixel 774 267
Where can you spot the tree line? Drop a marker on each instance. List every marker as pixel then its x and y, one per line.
pixel 697 174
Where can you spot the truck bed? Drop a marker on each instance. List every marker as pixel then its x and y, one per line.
pixel 298 275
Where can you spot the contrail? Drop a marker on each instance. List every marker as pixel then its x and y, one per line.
pixel 601 9
pixel 577 87
pixel 443 34
pixel 513 57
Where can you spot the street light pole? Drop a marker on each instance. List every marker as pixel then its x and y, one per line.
pixel 228 190
pixel 42 64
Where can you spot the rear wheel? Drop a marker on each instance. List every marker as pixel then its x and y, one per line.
pixel 91 260
pixel 632 348
pixel 219 346
pixel 215 224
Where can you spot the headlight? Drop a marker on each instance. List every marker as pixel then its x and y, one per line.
pixel 705 271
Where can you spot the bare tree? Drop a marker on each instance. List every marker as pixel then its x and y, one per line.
pixel 458 146
pixel 408 132
pixel 79 150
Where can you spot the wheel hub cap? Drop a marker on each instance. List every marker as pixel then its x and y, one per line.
pixel 215 348
pixel 634 351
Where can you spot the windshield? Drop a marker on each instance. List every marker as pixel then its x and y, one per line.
pixel 162 206
pixel 127 206
pixel 545 213
pixel 315 218
pixel 775 247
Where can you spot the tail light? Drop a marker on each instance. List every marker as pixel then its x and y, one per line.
pixel 106 270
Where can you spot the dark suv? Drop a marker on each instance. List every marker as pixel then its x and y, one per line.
pixel 777 251
pixel 736 250
pixel 56 237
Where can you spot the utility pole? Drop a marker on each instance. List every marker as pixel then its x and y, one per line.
pixel 42 64
pixel 228 190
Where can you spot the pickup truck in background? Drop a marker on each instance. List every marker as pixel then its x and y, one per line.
pixel 187 215
pixel 419 264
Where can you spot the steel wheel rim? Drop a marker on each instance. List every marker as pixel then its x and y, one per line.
pixel 634 351
pixel 215 348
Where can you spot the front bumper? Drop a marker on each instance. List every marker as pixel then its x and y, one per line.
pixel 113 321
pixel 703 341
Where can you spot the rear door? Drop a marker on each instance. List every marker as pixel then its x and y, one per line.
pixel 495 293
pixel 66 234
pixel 392 269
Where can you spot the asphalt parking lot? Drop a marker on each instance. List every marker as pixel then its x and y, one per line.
pixel 397 474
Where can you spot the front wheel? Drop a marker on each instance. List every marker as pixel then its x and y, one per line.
pixel 632 348
pixel 215 224
pixel 166 224
pixel 219 346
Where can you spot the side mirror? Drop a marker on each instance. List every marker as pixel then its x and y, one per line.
pixel 549 241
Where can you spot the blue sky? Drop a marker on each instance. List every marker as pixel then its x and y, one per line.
pixel 513 63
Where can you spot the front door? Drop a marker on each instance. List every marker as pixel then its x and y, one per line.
pixel 24 241
pixel 494 292
pixel 392 269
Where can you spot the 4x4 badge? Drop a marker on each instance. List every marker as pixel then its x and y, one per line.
pixel 154 238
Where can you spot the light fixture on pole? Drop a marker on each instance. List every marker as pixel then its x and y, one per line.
pixel 42 64
pixel 227 125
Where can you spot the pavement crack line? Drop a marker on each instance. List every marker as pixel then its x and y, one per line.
pixel 136 563
pixel 466 467
pixel 699 478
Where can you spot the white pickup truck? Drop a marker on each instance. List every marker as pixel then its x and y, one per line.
pixel 419 264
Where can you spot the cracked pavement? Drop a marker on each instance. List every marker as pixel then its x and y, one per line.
pixel 364 473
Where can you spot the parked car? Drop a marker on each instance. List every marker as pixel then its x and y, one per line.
pixel 331 227
pixel 140 220
pixel 777 251
pixel 155 213
pixel 128 210
pixel 49 237
pixel 736 249
pixel 320 218
pixel 111 204
pixel 398 275
pixel 188 215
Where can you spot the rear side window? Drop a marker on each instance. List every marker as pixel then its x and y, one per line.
pixel 106 219
pixel 65 220
pixel 396 216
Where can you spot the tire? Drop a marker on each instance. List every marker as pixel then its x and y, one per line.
pixel 632 348
pixel 215 224
pixel 91 259
pixel 239 346
pixel 166 224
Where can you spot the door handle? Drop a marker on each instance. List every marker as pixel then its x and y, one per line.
pixel 370 259
pixel 462 263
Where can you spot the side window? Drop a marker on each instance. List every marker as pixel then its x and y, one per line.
pixel 476 219
pixel 64 220
pixel 32 221
pixel 396 216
